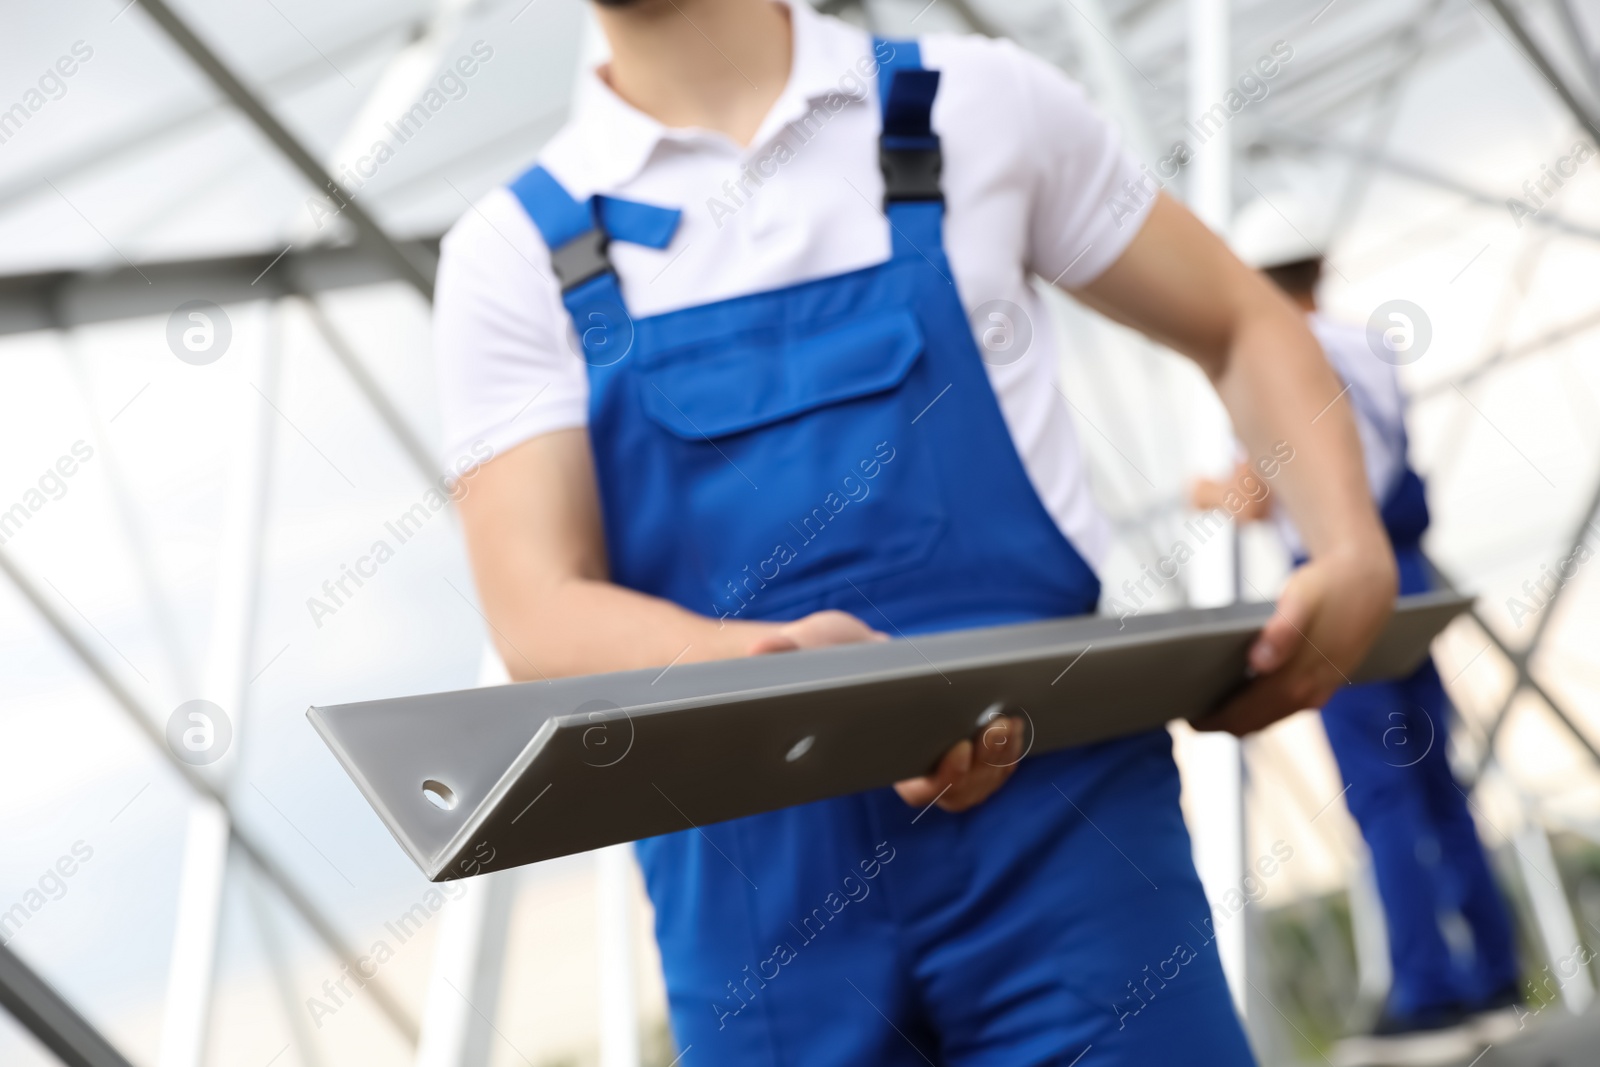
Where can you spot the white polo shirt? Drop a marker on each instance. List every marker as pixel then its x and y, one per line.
pixel 1030 170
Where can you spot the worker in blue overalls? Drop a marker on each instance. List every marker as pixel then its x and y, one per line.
pixel 757 355
pixel 1389 738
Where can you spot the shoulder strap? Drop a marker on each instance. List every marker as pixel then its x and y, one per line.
pixel 908 149
pixel 579 233
pixel 559 217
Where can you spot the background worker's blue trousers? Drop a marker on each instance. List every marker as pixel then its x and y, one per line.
pixel 1389 739
pixel 1062 915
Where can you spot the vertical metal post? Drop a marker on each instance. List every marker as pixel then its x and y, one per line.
pixel 205 858
pixel 275 949
pixel 464 983
pixel 1558 933
pixel 469 957
pixel 187 1007
pixel 1374 972
pixel 1211 174
pixel 619 1009
pixel 1552 914
pixel 1214 769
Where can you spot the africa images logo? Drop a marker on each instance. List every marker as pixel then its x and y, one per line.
pixel 1399 332
pixel 199 732
pixel 199 332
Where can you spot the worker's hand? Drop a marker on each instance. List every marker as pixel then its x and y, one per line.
pixel 971 771
pixel 817 630
pixel 1330 612
pixel 1245 497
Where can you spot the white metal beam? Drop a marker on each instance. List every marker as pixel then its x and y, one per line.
pixel 469 957
pixel 464 981
pixel 275 949
pixel 187 1006
pixel 233 619
pixel 1374 972
pixel 1558 932
pixel 619 1008
pixel 1214 769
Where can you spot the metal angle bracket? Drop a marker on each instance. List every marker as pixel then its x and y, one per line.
pixel 484 779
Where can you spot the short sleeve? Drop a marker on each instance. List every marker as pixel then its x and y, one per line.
pixel 506 372
pixel 1088 203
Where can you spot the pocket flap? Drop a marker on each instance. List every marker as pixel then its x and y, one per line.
pixel 753 382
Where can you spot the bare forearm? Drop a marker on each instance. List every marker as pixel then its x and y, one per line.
pixel 533 530
pixel 1179 284
pixel 1285 402
pixel 587 626
pixel 1182 286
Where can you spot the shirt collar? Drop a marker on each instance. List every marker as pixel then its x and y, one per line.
pixel 825 51
pixel 617 139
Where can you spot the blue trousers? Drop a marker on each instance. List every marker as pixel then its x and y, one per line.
pixel 1062 914
pixel 1389 740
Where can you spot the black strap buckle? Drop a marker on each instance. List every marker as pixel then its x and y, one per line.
pixel 585 256
pixel 910 173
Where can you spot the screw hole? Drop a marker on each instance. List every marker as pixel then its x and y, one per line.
pixel 801 747
pixel 439 795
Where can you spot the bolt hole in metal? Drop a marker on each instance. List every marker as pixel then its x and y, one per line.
pixel 800 748
pixel 439 795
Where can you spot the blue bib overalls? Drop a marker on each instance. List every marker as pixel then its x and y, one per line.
pixel 1389 739
pixel 837 444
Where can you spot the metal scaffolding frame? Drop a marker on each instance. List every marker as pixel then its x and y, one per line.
pixel 409 267
pixel 212 827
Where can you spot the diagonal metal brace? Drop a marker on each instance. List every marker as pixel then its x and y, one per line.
pixel 408 266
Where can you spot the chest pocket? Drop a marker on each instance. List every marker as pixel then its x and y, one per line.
pixel 794 463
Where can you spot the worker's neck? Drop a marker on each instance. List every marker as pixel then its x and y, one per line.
pixel 713 64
